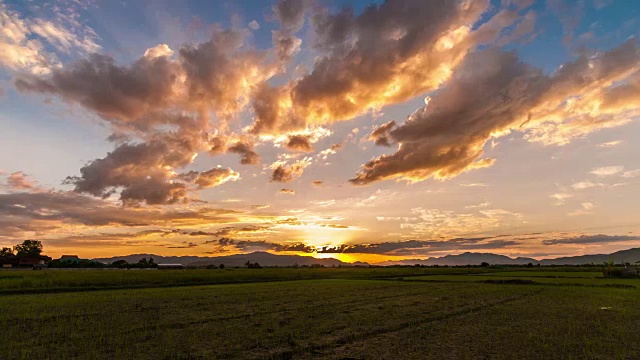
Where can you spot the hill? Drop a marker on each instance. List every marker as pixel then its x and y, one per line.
pixel 261 257
pixel 630 256
pixel 467 258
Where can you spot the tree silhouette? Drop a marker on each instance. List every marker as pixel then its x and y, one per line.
pixel 5 251
pixel 29 248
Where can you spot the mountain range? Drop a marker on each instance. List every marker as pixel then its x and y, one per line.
pixel 261 257
pixel 468 258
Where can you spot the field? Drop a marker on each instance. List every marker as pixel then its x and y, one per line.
pixel 381 313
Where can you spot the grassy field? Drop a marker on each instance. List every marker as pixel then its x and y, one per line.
pixel 318 313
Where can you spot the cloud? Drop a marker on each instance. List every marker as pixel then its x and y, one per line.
pixel 290 15
pixel 386 54
pixel 631 173
pixel 474 185
pixel 23 40
pixel 591 239
pixel 585 209
pixel 161 50
pixel 299 143
pixel 287 173
pixel 123 96
pixel 248 156
pixel 164 102
pixel 287 191
pixel 143 171
pixel 257 245
pixel 211 178
pixel 413 247
pixel 478 206
pixel 446 223
pixel 380 134
pixel 447 136
pixel 607 170
pixel 253 25
pixel 217 75
pixel 583 185
pixel 561 198
pixel 19 181
pixel 379 195
pixel 24 214
pixel 610 144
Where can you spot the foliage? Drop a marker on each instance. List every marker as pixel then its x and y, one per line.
pixel 251 265
pixel 607 268
pixel 5 251
pixel 29 248
pixel 74 263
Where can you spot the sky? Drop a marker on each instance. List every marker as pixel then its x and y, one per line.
pixel 359 130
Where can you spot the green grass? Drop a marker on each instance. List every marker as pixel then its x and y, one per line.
pixel 60 280
pixel 586 281
pixel 330 313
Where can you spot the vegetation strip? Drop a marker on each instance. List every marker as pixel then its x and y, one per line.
pixel 522 282
pixel 318 349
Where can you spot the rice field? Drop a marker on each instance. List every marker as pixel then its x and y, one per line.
pixel 381 313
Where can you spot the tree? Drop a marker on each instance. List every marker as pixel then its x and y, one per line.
pixel 221 266
pixel 5 251
pixel 484 264
pixel 119 264
pixel 29 248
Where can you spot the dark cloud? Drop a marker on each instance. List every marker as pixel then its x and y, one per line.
pixel 248 156
pixel 447 136
pixel 300 143
pixel 235 230
pixel 386 54
pixel 210 178
pixel 186 245
pixel 592 239
pixel 410 247
pixel 119 94
pixel 380 134
pixel 261 245
pixel 143 171
pixel 25 213
pixel 287 191
pixel 287 173
pixel 317 182
pixel 164 101
pixel 290 14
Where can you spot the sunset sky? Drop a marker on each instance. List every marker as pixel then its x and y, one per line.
pixel 357 130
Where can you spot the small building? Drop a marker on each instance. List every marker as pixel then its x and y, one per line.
pixel 170 266
pixel 24 261
pixel 8 261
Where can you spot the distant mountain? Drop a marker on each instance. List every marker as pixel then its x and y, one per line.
pixel 261 257
pixel 468 258
pixel 630 256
